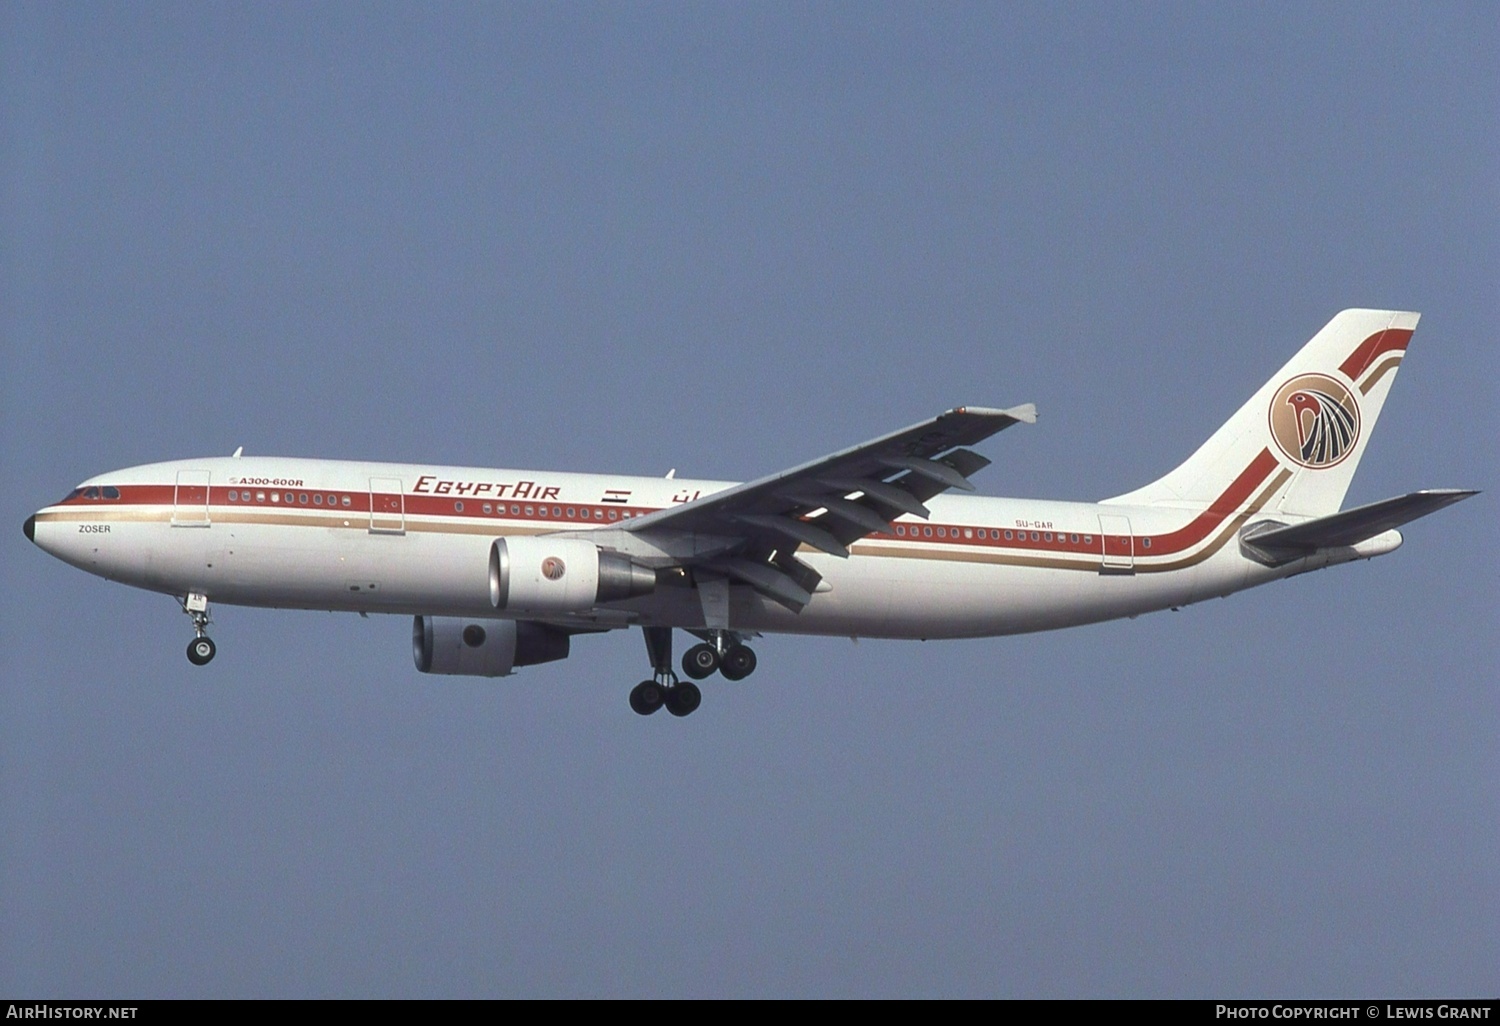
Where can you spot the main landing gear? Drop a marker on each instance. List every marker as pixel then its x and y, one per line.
pixel 721 653
pixel 734 660
pixel 202 648
pixel 663 689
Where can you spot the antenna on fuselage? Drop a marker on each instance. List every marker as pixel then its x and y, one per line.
pixel 236 454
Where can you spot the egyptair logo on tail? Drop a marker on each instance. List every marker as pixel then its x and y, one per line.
pixel 1315 420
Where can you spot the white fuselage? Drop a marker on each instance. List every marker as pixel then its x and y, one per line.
pixel 415 539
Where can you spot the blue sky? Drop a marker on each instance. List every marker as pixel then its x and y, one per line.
pixel 728 238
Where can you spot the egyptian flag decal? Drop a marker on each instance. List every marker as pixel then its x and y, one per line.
pixel 1315 420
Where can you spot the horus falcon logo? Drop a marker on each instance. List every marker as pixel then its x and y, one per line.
pixel 553 568
pixel 1314 420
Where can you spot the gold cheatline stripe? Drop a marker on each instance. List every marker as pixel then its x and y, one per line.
pixel 1390 363
pixel 1228 531
pixel 1085 562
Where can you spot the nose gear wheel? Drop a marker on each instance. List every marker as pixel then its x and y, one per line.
pixel 201 649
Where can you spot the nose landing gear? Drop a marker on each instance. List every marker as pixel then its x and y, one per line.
pixel 202 648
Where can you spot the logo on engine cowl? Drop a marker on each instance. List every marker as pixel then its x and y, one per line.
pixel 553 568
pixel 1314 420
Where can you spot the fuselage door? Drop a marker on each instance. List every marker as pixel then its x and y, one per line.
pixel 387 506
pixel 1117 544
pixel 190 499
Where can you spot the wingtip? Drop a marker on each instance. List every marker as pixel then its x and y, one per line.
pixel 1026 412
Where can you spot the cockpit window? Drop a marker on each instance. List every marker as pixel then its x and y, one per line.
pixel 93 492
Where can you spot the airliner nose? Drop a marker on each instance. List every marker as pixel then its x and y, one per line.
pixel 30 528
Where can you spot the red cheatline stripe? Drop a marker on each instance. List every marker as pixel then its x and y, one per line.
pixel 386 504
pixel 1370 349
pixel 1195 531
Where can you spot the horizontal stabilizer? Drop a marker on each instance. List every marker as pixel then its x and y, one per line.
pixel 1352 526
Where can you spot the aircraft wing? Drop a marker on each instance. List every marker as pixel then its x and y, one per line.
pixel 1352 526
pixel 831 502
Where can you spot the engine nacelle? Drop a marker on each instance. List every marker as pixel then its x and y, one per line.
pixel 544 574
pixel 483 648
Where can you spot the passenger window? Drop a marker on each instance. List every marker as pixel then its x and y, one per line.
pixel 345 501
pixel 302 499
pixel 458 507
pixel 260 496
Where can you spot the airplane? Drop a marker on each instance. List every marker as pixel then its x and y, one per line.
pixel 500 569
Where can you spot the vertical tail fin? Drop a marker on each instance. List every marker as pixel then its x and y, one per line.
pixel 1312 420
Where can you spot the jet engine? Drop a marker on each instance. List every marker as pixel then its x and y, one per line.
pixel 545 574
pixel 483 648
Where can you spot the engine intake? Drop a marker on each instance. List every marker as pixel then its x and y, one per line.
pixel 483 648
pixel 562 575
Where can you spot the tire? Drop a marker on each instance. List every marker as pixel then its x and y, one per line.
pixel 647 697
pixel 683 699
pixel 700 661
pixel 739 663
pixel 200 651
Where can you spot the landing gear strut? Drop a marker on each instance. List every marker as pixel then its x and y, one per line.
pixel 202 648
pixel 663 689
